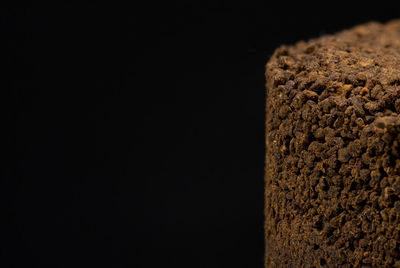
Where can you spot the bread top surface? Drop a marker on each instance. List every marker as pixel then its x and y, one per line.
pixel 361 61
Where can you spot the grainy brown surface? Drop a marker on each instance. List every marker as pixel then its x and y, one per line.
pixel 333 146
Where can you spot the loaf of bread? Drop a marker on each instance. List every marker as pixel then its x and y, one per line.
pixel 332 168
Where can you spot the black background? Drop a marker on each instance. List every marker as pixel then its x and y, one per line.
pixel 137 132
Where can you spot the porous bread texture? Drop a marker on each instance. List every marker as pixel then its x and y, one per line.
pixel 332 169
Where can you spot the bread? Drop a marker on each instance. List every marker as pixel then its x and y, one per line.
pixel 332 168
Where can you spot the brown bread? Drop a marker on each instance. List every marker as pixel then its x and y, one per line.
pixel 333 150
